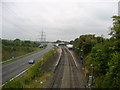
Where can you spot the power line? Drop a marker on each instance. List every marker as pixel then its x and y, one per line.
pixel 42 36
pixel 11 11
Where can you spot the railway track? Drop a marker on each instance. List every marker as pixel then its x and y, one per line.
pixel 74 80
pixel 58 73
pixel 66 74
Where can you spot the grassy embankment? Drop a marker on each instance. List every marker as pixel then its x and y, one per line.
pixel 18 51
pixel 17 47
pixel 34 76
pixel 0 53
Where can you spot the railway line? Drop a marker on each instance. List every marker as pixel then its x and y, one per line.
pixel 67 74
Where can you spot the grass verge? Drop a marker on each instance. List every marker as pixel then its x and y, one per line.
pixel 22 56
pixel 35 72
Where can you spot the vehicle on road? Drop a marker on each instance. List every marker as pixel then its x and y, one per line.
pixel 40 46
pixel 31 61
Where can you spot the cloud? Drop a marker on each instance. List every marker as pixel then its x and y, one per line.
pixel 60 19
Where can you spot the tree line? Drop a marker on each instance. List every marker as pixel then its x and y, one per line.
pixel 104 54
pixel 18 42
pixel 18 47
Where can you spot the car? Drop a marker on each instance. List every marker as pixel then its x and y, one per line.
pixel 40 46
pixel 31 61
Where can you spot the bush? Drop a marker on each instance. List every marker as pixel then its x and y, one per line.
pixel 106 66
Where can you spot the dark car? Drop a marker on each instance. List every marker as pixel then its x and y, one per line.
pixel 31 61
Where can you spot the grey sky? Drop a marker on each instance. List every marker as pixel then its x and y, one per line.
pixel 60 19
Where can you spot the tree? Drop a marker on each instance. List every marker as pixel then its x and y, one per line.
pixel 71 42
pixel 17 42
pixel 84 43
pixel 58 41
pixel 115 32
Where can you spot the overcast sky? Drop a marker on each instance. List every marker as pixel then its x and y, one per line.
pixel 59 19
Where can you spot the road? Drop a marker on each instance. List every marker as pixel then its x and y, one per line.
pixel 68 73
pixel 13 68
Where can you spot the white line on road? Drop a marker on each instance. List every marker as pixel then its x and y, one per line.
pixel 17 75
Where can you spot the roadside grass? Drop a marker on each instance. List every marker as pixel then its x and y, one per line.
pixel 7 51
pixel 39 81
pixel 0 53
pixel 24 55
pixel 33 76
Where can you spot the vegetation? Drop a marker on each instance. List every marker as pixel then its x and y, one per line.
pixel 60 41
pixel 17 47
pixel 0 50
pixel 104 54
pixel 35 72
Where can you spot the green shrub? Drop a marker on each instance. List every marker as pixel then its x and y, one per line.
pixel 14 84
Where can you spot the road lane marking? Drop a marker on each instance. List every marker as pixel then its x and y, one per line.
pixel 17 75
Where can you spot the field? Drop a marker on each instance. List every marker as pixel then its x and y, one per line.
pixel 15 48
pixel 18 51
